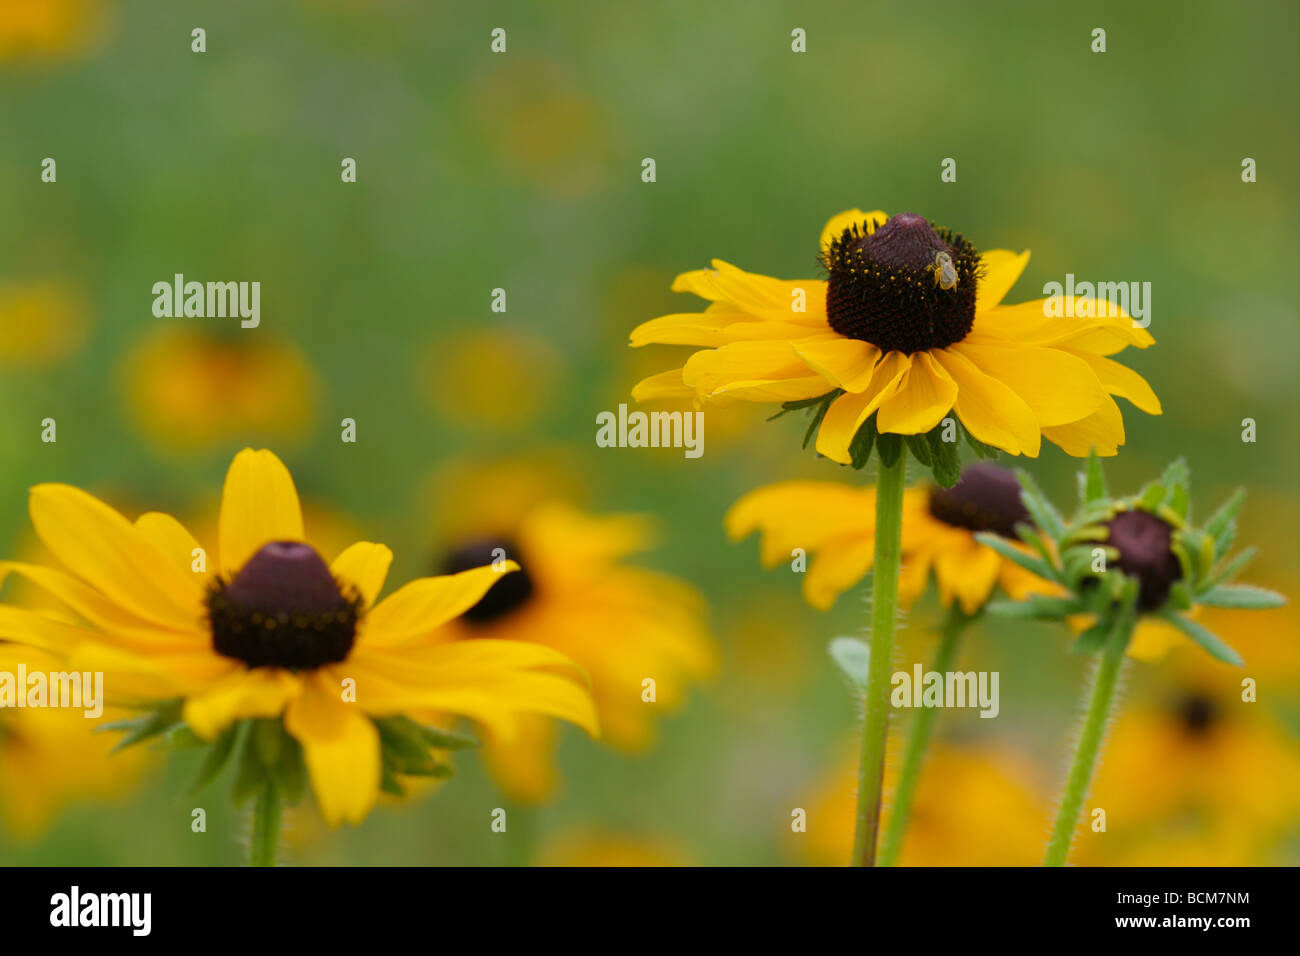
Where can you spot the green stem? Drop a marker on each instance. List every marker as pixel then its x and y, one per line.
pixel 884 603
pixel 266 826
pixel 1104 682
pixel 922 725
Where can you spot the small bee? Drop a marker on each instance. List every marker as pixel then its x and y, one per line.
pixel 945 273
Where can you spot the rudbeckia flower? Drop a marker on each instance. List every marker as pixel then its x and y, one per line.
pixel 623 625
pixel 834 524
pixel 908 326
pixel 262 630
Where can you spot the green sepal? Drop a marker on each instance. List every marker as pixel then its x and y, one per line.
pixel 1037 607
pixel 152 723
pixel 890 448
pixel 215 760
pixel 267 734
pixel 1242 596
pixel 1214 645
pixel 860 446
pixel 1046 517
pixel 180 737
pixel 1091 640
pixel 1222 524
pixel 252 773
pixel 1006 549
pixel 946 458
pixel 981 450
pixel 1092 480
pixel 920 449
pixel 1151 497
pixel 406 748
pixel 1232 567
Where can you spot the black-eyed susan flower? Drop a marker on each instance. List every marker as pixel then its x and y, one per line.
pixel 908 326
pixel 261 644
pixel 639 635
pixel 50 757
pixel 1122 561
pixel 834 525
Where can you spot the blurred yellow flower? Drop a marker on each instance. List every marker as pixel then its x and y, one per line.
pixel 625 626
pixel 588 846
pixel 50 758
pixel 977 805
pixel 41 322
pixel 48 29
pixel 834 523
pixel 191 390
pixel 502 379
pixel 266 629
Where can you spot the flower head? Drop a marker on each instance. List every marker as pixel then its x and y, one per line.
pixel 264 632
pixel 908 327
pixel 835 524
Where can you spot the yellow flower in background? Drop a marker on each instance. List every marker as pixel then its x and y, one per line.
pixel 50 758
pixel 48 29
pixel 591 847
pixel 1200 776
pixel 977 805
pixel 623 625
pixel 834 524
pixel 262 627
pixel 1009 373
pixel 189 389
pixel 41 322
pixel 495 378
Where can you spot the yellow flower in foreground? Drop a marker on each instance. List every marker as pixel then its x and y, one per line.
pixel 834 523
pixel 976 806
pixel 1010 373
pixel 50 758
pixel 623 625
pixel 264 628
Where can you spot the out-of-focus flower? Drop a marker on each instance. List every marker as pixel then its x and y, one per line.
pixel 625 626
pixel 976 805
pixel 500 379
pixel 191 390
pixel 601 848
pixel 834 523
pixel 49 29
pixel 41 322
pixel 50 758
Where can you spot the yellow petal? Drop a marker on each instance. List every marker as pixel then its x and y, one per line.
pixel 844 362
pixel 114 557
pixel 805 514
pixel 341 749
pixel 1120 380
pixel 779 390
pixel 1002 268
pixel 365 566
pixel 835 227
pixel 172 539
pixel 850 410
pixel 664 385
pixel 258 504
pixel 417 609
pixel 1102 430
pixel 967 574
pixel 837 567
pixel 757 361
pixel 1057 386
pixel 260 692
pixel 523 764
pixel 991 411
pixel 683 328
pixel 924 395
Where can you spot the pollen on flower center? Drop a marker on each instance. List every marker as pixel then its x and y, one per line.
pixel 507 595
pixel 905 287
pixel 987 498
pixel 1143 542
pixel 283 609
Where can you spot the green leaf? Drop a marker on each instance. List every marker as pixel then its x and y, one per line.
pixel 215 760
pixel 860 446
pixel 920 449
pixel 1241 596
pixel 890 449
pixel 1046 517
pixel 1092 481
pixel 1091 640
pixel 1009 551
pixel 851 657
pixel 946 457
pixel 1211 642
pixel 1221 526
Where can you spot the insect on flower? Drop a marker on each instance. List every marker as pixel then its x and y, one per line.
pixel 945 273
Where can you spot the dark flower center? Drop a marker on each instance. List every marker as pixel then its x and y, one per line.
pixel 906 287
pixel 1198 715
pixel 986 498
pixel 505 596
pixel 283 609
pixel 1143 542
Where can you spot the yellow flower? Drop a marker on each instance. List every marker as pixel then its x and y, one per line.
pixel 262 627
pixel 976 806
pixel 50 758
pixel 598 848
pixel 834 523
pixel 477 377
pixel 1011 374
pixel 190 389
pixel 41 322
pixel 48 28
pixel 623 625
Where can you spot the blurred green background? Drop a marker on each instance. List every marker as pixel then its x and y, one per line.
pixel 522 171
